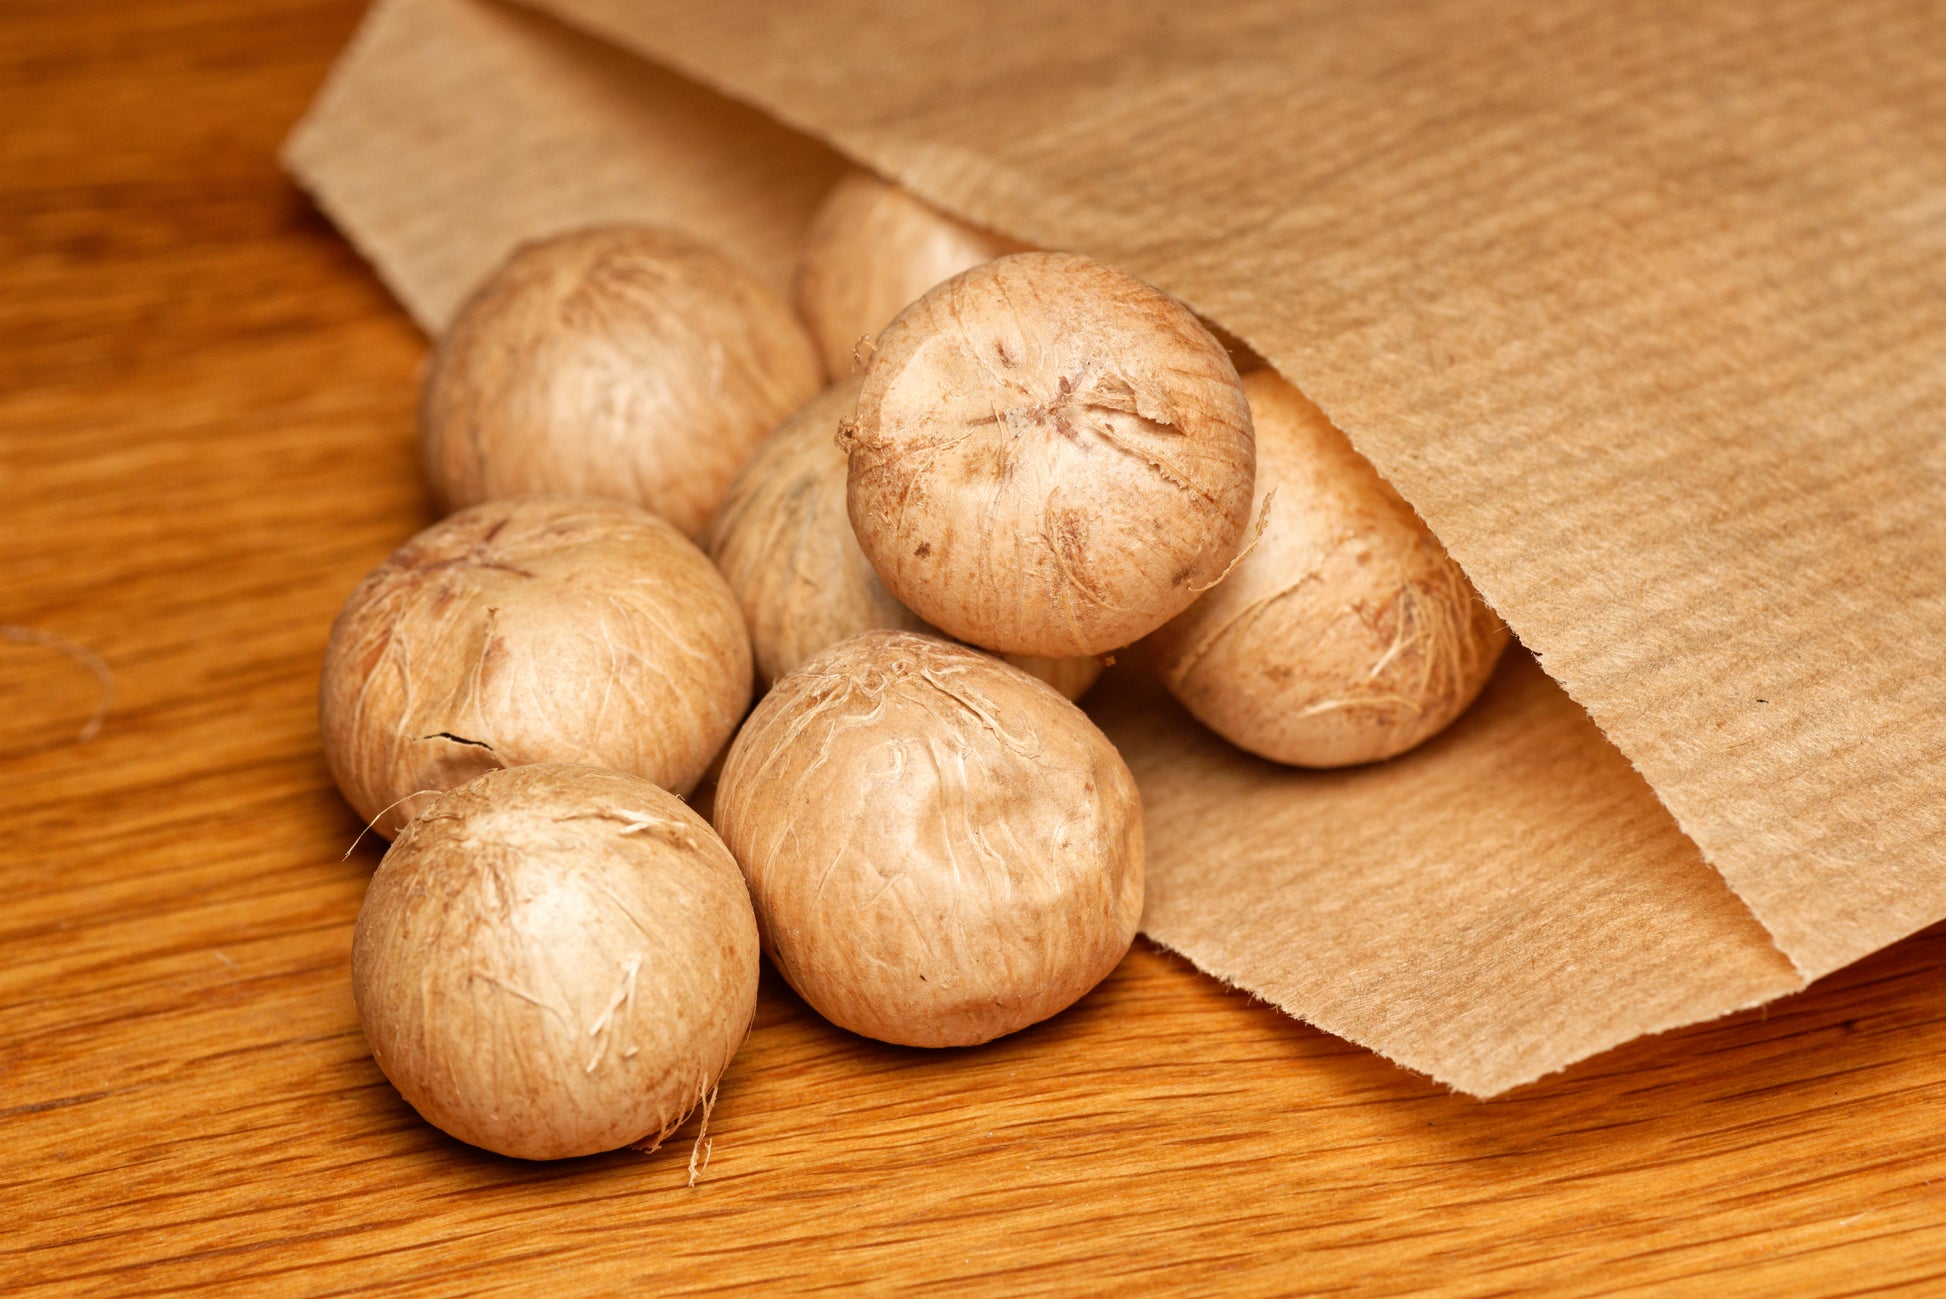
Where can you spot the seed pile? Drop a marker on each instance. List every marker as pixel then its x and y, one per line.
pixel 1027 462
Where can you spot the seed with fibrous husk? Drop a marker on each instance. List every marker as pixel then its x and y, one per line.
pixel 555 961
pixel 871 249
pixel 785 545
pixel 1347 633
pixel 1049 457
pixel 534 630
pixel 620 361
pixel 941 849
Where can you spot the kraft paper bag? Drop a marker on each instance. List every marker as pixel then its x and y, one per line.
pixel 1643 307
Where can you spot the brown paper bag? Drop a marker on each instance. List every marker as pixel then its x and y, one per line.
pixel 1643 308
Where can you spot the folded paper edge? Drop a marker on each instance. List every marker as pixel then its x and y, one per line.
pixel 294 156
pixel 1480 1085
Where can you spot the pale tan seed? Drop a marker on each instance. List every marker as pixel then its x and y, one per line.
pixel 941 849
pixel 1347 634
pixel 535 630
pixel 619 361
pixel 555 961
pixel 1050 457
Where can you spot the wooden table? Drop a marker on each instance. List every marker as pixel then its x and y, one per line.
pixel 206 438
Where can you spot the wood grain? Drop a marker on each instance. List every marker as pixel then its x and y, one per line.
pixel 205 439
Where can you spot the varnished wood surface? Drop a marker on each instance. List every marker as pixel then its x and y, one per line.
pixel 205 416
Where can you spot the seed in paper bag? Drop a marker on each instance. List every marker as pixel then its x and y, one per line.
pixel 1050 457
pixel 871 249
pixel 1347 633
pixel 784 543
